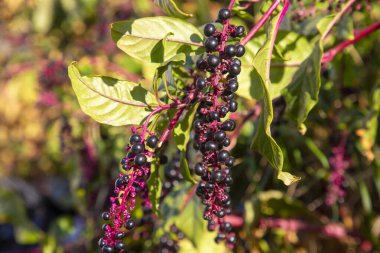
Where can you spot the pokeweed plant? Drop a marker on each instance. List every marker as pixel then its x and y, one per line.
pixel 202 75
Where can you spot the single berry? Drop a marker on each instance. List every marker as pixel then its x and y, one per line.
pixel 231 239
pixel 211 43
pixel 105 227
pixel 220 213
pixel 232 86
pixel 209 30
pixel 217 176
pixel 219 136
pixel 201 64
pixel 213 61
pixel 120 182
pixel 236 61
pixel 134 139
pixel 234 69
pixel 209 187
pixel 213 116
pixel 223 155
pixel 119 246
pixel 229 180
pixel 226 227
pixel 230 51
pixel 197 124
pixel 199 169
pixel 137 148
pixel 219 238
pixel 107 249
pixel 224 14
pixel 226 97
pixel 211 146
pixel 239 31
pixel 226 142
pixel 130 224
pixel 232 107
pixel 201 83
pixel 152 141
pixel 140 159
pixel 230 162
pixel 119 235
pixel 240 50
pixel 223 111
pixel 106 216
pixel 228 125
pixel 101 243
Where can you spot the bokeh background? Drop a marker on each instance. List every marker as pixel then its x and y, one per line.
pixel 57 164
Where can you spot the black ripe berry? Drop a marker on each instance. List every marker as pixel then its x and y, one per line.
pixel 213 61
pixel 137 148
pixel 228 125
pixel 230 162
pixel 226 227
pixel 120 182
pixel 223 155
pixel 130 224
pixel 236 61
pixel 134 139
pixel 209 30
pixel 232 107
pixel 107 249
pixel 232 85
pixel 224 14
pixel 234 69
pixel 211 146
pixel 119 246
pixel 201 83
pixel 106 216
pixel 201 64
pixel 219 136
pixel 199 169
pixel 140 159
pixel 105 227
pixel 223 111
pixel 226 142
pixel 213 116
pixel 239 31
pixel 231 239
pixel 152 141
pixel 197 124
pixel 119 235
pixel 101 243
pixel 211 43
pixel 217 176
pixel 240 50
pixel 230 51
pixel 220 213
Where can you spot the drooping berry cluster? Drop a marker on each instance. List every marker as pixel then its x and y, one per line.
pixel 168 244
pixel 172 174
pixel 137 169
pixel 216 95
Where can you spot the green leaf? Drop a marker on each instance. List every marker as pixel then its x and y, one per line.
pixel 143 38
pixel 263 141
pixel 181 134
pixel 184 209
pixel 155 186
pixel 111 101
pixel 170 8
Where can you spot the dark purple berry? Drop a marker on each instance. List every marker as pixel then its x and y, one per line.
pixel 209 30
pixel 209 187
pixel 105 227
pixel 101 243
pixel 223 155
pixel 219 136
pixel 201 64
pixel 236 61
pixel 130 224
pixel 197 124
pixel 213 116
pixel 230 162
pixel 107 249
pixel 223 111
pixel 232 85
pixel 232 239
pixel 213 61
pixel 134 139
pixel 201 83
pixel 234 69
pixel 229 180
pixel 140 159
pixel 228 125
pixel 120 182
pixel 210 44
pixel 239 31
pixel 219 238
pixel 152 141
pixel 226 142
pixel 199 169
pixel 211 146
pixel 220 213
pixel 137 148
pixel 217 176
pixel 240 50
pixel 106 216
pixel 119 246
pixel 119 235
pixel 233 106
pixel 224 14
pixel 226 227
pixel 230 51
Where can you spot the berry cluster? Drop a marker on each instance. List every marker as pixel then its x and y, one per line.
pixel 167 244
pixel 137 168
pixel 216 96
pixel 172 174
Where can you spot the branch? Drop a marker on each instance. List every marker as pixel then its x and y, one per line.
pixel 330 54
pixel 261 22
pixel 232 3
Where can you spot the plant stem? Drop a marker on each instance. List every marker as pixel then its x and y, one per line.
pixel 330 54
pixel 172 124
pixel 261 22
pixel 232 3
pixel 145 126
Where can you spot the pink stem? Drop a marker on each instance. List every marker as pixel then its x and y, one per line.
pixel 330 54
pixel 172 124
pixel 260 23
pixel 232 3
pixel 145 126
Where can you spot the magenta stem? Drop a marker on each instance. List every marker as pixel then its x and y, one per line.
pixel 232 3
pixel 145 126
pixel 260 23
pixel 330 54
pixel 172 124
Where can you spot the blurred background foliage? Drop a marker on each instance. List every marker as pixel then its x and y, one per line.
pixel 57 165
